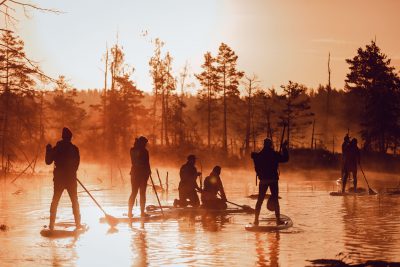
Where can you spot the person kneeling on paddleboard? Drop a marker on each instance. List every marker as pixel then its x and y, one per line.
pixel 213 186
pixel 266 164
pixel 187 185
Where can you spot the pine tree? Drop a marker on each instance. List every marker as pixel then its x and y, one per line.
pixel 64 108
pixel 209 91
pixel 377 85
pixel 228 81
pixel 296 111
pixel 18 106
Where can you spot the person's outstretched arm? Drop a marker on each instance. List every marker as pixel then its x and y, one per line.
pixel 221 189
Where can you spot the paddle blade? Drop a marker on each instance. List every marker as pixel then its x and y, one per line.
pixel 372 192
pixel 112 221
pixel 248 208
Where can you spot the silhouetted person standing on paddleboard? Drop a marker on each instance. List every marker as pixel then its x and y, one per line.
pixel 188 185
pixel 266 164
pixel 351 160
pixel 345 144
pixel 66 160
pixel 213 186
pixel 140 172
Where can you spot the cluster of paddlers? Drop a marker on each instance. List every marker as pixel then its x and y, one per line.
pixel 66 158
pixel 351 159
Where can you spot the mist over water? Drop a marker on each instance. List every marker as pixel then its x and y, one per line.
pixel 355 227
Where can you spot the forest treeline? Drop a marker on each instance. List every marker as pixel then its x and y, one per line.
pixel 229 114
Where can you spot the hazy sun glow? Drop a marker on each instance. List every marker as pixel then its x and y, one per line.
pixel 276 40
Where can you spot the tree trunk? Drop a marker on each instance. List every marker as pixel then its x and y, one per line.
pixel 225 130
pixel 247 139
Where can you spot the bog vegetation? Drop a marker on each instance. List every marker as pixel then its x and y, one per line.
pixel 228 116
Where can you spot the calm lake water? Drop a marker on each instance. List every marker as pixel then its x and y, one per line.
pixel 354 228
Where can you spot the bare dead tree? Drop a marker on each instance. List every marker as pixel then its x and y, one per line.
pixel 250 85
pixel 9 9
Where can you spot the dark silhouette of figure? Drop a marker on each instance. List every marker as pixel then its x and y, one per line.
pixel 351 160
pixel 140 172
pixel 65 156
pixel 188 185
pixel 266 164
pixel 213 186
pixel 345 144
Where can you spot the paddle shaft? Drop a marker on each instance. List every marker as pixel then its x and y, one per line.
pixel 159 179
pixel 241 206
pixel 201 175
pixel 282 136
pixel 365 177
pixel 87 191
pixel 155 191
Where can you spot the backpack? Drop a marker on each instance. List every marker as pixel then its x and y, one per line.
pixel 258 164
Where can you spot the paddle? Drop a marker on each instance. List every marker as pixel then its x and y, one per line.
pixel 112 221
pixel 159 179
pixel 245 207
pixel 370 191
pixel 155 191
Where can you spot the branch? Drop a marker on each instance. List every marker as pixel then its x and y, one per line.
pixel 34 7
pixel 36 68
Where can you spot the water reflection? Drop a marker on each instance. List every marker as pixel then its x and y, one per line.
pixel 363 227
pixel 214 223
pixel 370 228
pixel 139 247
pixel 271 242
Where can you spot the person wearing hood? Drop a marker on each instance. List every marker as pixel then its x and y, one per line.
pixel 140 173
pixel 66 158
pixel 266 163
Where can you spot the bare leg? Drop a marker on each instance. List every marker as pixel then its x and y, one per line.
pixel 135 189
pixel 344 180
pixel 73 195
pixel 274 187
pixel 355 180
pixel 143 187
pixel 58 190
pixel 262 190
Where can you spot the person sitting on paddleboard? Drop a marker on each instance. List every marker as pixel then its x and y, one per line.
pixel 65 156
pixel 266 164
pixel 351 160
pixel 188 185
pixel 213 186
pixel 140 172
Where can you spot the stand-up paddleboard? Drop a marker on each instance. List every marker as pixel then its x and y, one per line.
pixel 149 218
pixel 269 224
pixel 340 194
pixel 68 231
pixel 255 196
pixel 176 211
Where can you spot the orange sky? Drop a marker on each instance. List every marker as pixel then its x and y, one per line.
pixel 277 40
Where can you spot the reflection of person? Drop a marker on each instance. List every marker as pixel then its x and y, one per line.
pixel 351 160
pixel 140 172
pixel 213 186
pixel 187 185
pixel 66 160
pixel 266 164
